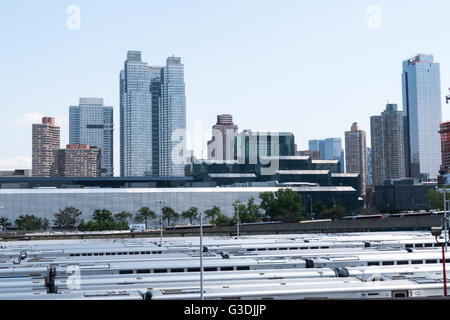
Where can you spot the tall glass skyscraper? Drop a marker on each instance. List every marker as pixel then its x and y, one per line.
pixel 135 117
pixel 422 115
pixel 155 89
pixel 92 123
pixel 172 119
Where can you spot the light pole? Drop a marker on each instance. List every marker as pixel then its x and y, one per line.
pixel 160 222
pixel 436 232
pixel 201 257
pixel 238 221
pixel 310 205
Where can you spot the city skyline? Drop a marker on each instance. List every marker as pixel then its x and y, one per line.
pixel 203 87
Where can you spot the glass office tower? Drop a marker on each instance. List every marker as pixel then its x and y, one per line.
pixel 172 119
pixel 155 89
pixel 422 114
pixel 135 117
pixel 92 123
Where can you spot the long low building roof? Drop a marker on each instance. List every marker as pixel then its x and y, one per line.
pixel 304 172
pixel 174 190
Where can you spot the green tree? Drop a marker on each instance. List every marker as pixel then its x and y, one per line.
pixel 318 208
pixel 123 216
pixel 31 222
pixel 67 218
pixel 284 205
pixel 4 223
pixel 170 215
pixel 335 212
pixel 145 214
pixel 222 220
pixel 191 214
pixel 212 214
pixel 435 199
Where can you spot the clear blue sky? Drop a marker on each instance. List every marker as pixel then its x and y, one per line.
pixel 310 67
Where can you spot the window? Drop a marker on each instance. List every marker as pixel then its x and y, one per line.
pixel 402 262
pixel 193 269
pixel 400 294
pixel 428 245
pixel 143 271
pixel 373 263
pixel 226 269
pixel 419 245
pixel 210 269
pixel 416 262
pixel 430 261
pixel 388 263
pixel 125 271
pixel 160 271
pixel 243 268
pixel 177 270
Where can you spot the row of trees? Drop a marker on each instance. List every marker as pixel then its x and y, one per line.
pixel 283 205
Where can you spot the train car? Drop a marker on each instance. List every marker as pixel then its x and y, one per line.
pixel 180 266
pixel 387 259
pixel 94 295
pixel 283 289
pixel 153 280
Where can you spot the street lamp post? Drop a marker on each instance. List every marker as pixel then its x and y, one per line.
pixel 238 221
pixel 160 223
pixel 201 257
pixel 437 231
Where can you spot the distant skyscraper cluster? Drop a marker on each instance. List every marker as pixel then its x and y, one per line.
pixel 152 128
pixel 153 131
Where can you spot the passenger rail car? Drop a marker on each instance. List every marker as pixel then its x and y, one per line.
pixel 181 266
pixel 93 295
pixel 415 287
pixel 260 283
pixel 158 280
pixel 387 259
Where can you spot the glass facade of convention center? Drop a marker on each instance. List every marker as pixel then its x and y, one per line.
pixel 47 202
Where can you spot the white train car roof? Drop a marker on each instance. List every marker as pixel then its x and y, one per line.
pixel 170 266
pixel 145 279
pixel 295 290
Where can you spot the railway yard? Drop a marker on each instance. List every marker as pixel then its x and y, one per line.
pixel 290 266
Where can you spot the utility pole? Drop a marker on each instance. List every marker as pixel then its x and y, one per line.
pixel 442 184
pixel 201 257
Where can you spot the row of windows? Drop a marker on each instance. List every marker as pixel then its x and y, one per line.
pixel 278 249
pixel 114 253
pixel 404 262
pixel 422 245
pixel 180 270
